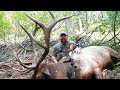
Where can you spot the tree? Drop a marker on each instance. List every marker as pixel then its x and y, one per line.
pixel 5 26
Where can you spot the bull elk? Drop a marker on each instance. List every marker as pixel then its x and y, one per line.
pixel 46 31
pixel 89 61
pixel 93 60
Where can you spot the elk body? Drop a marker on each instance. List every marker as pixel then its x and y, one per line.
pixel 91 61
pixel 52 71
pixel 102 55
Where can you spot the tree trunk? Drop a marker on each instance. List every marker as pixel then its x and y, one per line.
pixel 80 24
pixel 114 28
pixel 4 38
pixel 67 26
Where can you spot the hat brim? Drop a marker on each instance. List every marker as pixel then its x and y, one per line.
pixel 63 34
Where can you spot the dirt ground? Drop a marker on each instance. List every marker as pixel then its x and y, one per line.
pixel 13 70
pixel 9 70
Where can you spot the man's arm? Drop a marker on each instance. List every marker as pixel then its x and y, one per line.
pixel 54 54
pixel 54 59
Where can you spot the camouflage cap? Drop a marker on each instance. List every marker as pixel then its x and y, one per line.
pixel 63 33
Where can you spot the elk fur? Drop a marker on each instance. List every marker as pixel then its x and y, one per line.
pixel 52 71
pixel 92 61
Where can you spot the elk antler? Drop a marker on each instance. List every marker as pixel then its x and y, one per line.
pixel 18 59
pixel 46 31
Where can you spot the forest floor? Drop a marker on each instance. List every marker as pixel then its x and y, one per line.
pixel 9 70
pixel 13 70
pixel 9 67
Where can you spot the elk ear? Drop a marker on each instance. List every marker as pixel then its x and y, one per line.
pixel 46 73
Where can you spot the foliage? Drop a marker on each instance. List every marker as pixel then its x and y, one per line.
pixel 5 26
pixel 101 21
pixel 95 43
pixel 5 58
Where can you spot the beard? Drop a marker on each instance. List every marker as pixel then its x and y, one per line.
pixel 63 41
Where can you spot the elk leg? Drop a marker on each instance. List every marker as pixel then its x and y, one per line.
pixel 72 69
pixel 98 73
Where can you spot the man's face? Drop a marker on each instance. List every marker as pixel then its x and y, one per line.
pixel 63 38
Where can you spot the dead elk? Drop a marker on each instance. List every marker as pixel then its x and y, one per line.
pixel 52 71
pixel 60 70
pixel 90 61
pixel 37 59
pixel 93 60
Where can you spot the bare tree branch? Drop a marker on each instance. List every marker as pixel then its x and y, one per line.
pixel 114 24
pixel 103 38
pixel 117 38
pixel 53 17
pixel 111 38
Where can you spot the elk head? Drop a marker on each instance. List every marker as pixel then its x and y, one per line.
pixel 46 30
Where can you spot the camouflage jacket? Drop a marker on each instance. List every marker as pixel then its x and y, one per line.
pixel 60 50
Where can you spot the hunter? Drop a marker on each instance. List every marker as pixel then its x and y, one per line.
pixel 61 48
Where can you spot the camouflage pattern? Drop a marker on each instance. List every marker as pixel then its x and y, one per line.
pixel 64 47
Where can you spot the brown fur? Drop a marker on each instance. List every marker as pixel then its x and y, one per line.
pixel 93 60
pixel 112 52
pixel 87 69
pixel 56 70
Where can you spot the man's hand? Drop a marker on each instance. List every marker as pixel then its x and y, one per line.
pixel 54 59
pixel 72 46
